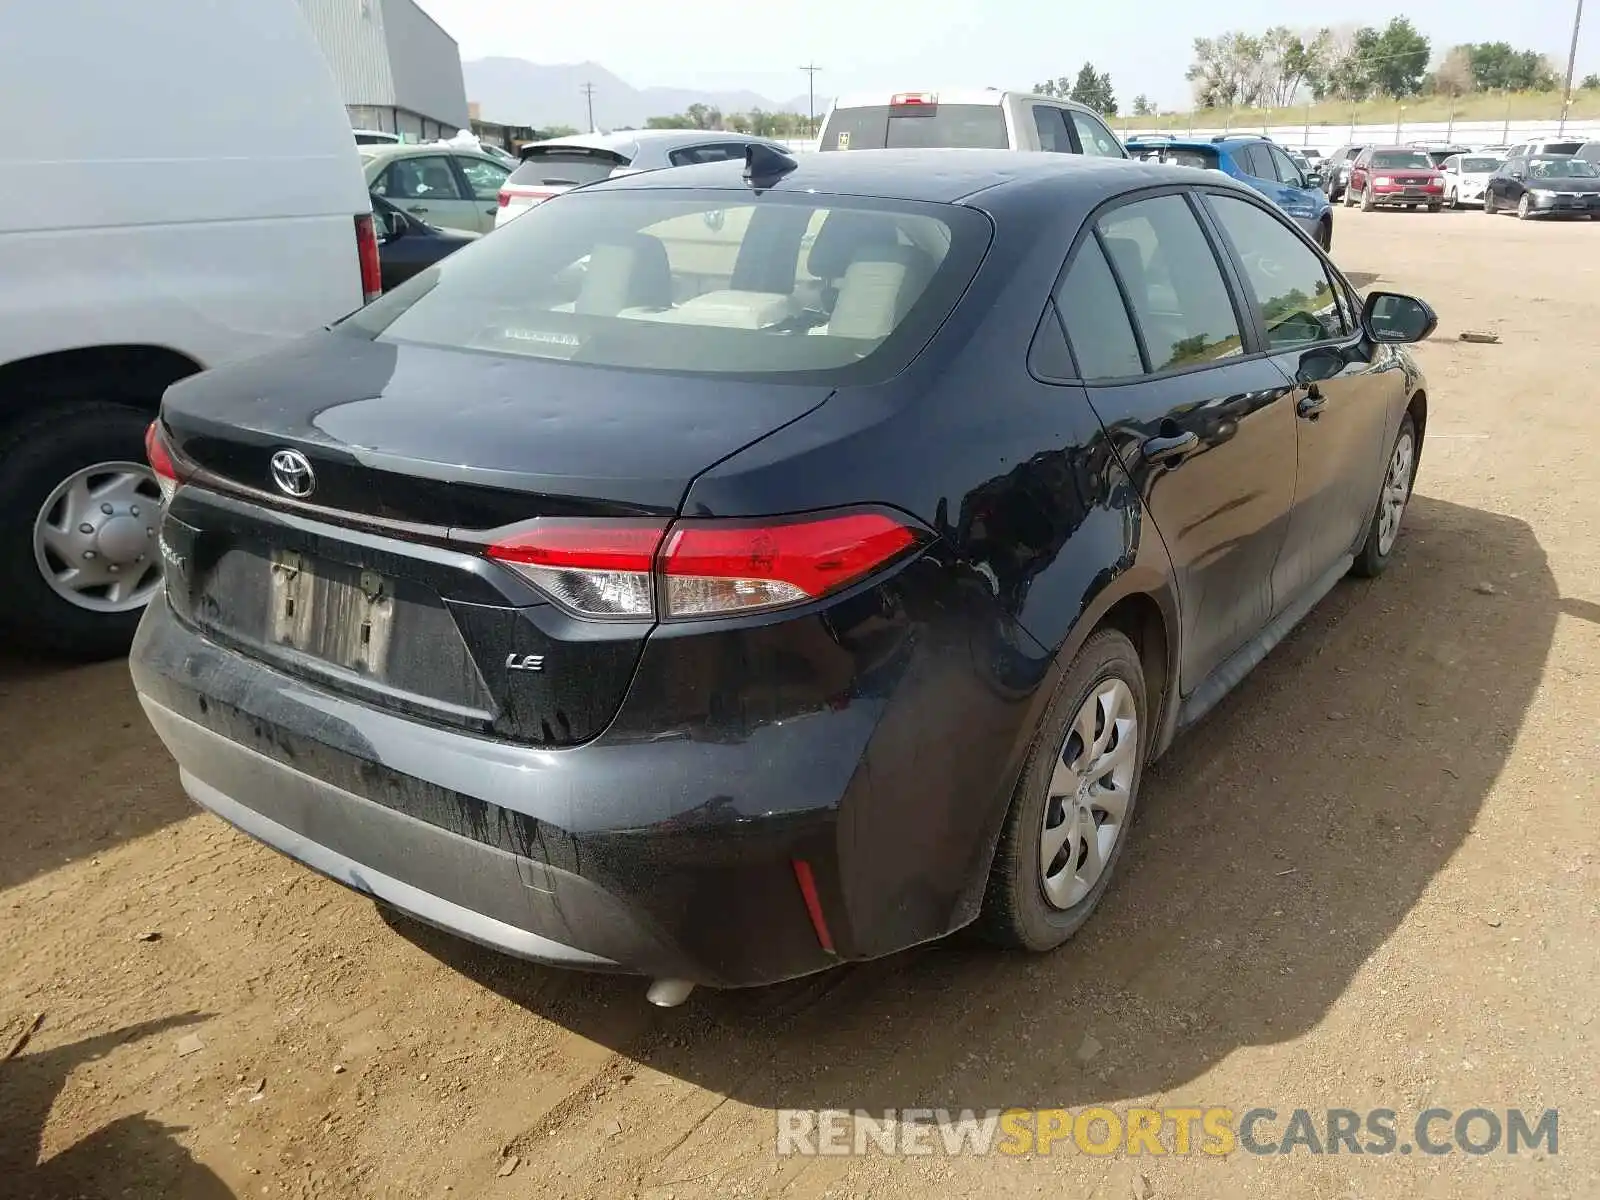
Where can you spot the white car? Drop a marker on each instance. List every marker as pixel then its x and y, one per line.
pixel 1465 176
pixel 230 225
pixel 560 164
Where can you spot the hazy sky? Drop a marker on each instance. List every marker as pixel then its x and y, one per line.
pixel 864 44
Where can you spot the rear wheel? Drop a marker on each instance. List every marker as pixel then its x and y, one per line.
pixel 1434 207
pixel 1524 208
pixel 1325 235
pixel 1366 200
pixel 1070 814
pixel 79 510
pixel 1384 531
pixel 1488 202
pixel 1452 199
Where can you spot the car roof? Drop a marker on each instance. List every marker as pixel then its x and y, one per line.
pixel 939 176
pixel 622 138
pixel 386 151
pixel 956 95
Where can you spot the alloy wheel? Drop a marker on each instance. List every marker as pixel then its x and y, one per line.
pixel 1396 491
pixel 1090 793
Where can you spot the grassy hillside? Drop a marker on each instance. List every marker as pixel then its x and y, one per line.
pixel 1483 106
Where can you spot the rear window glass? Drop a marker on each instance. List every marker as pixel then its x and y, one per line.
pixel 568 167
pixel 699 282
pixel 1182 156
pixel 921 126
pixel 1480 166
pixel 1561 147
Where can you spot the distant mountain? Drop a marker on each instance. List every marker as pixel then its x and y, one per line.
pixel 514 91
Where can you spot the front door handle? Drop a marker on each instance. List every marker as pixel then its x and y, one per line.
pixel 1171 451
pixel 418 208
pixel 1311 404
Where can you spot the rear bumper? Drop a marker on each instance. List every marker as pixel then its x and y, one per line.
pixel 463 832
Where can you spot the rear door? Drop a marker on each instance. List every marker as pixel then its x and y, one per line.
pixel 1092 135
pixel 1050 130
pixel 482 179
pixel 1205 429
pixel 1293 195
pixel 426 186
pixel 1342 396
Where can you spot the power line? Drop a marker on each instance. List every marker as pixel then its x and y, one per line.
pixel 588 94
pixel 811 70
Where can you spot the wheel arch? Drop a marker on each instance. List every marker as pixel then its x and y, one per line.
pixel 135 374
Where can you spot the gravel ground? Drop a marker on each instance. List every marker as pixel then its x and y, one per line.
pixel 1371 879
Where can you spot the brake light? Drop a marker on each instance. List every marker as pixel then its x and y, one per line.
pixel 367 251
pixel 637 570
pixel 901 99
pixel 505 198
pixel 161 460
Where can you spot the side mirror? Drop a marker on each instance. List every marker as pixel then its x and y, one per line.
pixel 1397 319
pixel 1517 174
pixel 390 225
pixel 1315 179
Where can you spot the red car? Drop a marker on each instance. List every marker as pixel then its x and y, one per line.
pixel 1394 176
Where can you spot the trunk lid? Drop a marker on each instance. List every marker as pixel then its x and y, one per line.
pixel 360 584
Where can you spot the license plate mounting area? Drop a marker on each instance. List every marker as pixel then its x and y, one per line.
pixel 342 615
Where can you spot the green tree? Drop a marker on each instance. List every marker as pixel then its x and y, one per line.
pixel 1396 60
pixel 1093 89
pixel 703 116
pixel 1590 83
pixel 1060 87
pixel 676 121
pixel 1497 66
pixel 1142 107
pixel 1227 70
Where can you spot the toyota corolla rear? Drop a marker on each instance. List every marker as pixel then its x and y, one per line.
pixel 549 169
pixel 444 620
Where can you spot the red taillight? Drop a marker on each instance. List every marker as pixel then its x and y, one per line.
pixel 505 198
pixel 159 455
pixel 367 251
pixel 901 99
pixel 808 893
pixel 623 570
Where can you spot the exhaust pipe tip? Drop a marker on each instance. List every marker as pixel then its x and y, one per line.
pixel 669 993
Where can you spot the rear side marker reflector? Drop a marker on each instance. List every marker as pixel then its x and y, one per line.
pixel 808 891
pixel 635 570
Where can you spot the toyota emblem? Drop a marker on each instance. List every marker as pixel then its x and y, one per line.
pixel 292 472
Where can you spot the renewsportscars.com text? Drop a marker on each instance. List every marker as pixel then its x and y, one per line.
pixel 1215 1132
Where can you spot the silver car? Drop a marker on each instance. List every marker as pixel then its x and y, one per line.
pixel 560 164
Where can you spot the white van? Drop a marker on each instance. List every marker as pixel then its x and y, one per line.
pixel 179 188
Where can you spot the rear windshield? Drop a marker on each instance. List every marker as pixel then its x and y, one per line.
pixel 1561 147
pixel 1480 166
pixel 1182 156
pixel 566 167
pixel 917 126
pixel 716 283
pixel 1401 160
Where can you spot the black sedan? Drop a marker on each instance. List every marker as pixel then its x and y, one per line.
pixel 408 244
pixel 747 568
pixel 1544 186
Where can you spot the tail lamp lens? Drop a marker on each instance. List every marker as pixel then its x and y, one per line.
pixel 633 570
pixel 367 253
pixel 159 455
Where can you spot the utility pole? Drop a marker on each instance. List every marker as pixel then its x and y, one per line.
pixel 1572 61
pixel 588 94
pixel 811 70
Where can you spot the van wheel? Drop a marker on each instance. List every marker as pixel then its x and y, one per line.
pixel 1395 492
pixel 1071 811
pixel 79 510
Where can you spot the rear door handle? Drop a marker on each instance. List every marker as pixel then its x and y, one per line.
pixel 417 209
pixel 1311 404
pixel 1170 451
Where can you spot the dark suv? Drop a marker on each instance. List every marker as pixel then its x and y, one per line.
pixel 727 572
pixel 1336 172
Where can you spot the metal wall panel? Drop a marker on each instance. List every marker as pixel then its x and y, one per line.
pixel 351 34
pixel 424 63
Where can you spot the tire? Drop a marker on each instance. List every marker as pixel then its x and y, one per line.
pixel 37 455
pixel 1434 207
pixel 1347 198
pixel 1378 546
pixel 1325 236
pixel 1366 200
pixel 1488 203
pixel 1524 209
pixel 1453 201
pixel 1018 911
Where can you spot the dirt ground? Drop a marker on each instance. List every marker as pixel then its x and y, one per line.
pixel 1371 879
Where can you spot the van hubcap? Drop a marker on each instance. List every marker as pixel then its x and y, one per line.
pixel 94 539
pixel 1090 792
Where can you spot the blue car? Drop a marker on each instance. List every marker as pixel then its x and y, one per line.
pixel 1251 159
